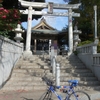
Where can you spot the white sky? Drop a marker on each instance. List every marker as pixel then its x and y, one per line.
pixel 54 21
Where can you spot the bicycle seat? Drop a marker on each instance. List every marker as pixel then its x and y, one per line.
pixel 74 82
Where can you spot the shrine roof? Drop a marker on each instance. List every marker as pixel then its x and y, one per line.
pixel 40 31
pixel 43 25
pixel 43 28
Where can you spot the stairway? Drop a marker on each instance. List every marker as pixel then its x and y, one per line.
pixel 27 73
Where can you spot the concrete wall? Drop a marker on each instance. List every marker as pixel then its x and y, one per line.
pixel 89 56
pixel 10 52
pixel 96 65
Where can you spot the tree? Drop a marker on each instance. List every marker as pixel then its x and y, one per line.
pixel 86 20
pixel 15 4
pixel 10 15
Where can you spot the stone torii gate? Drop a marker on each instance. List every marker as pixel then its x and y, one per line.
pixel 50 6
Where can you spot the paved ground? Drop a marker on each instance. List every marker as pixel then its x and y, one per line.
pixel 35 95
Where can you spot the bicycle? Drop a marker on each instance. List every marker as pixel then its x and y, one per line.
pixel 71 94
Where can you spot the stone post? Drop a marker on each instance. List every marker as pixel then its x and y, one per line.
pixel 96 41
pixel 95 16
pixel 58 75
pixel 35 43
pixel 52 54
pixel 70 32
pixel 54 65
pixel 49 47
pixel 28 37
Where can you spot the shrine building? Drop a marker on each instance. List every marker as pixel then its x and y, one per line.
pixel 44 36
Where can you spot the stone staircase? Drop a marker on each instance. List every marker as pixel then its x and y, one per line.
pixel 28 72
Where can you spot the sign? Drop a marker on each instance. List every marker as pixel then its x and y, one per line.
pixel 50 7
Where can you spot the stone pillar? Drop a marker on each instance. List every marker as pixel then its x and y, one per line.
pixel 70 32
pixel 95 16
pixel 49 47
pixel 28 37
pixel 95 25
pixel 58 75
pixel 35 42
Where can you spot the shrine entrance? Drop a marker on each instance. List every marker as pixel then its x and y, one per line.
pixel 42 44
pixel 50 5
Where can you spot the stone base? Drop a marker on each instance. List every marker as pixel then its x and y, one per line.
pixel 70 53
pixel 27 54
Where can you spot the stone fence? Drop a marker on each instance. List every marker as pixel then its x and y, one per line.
pixel 10 52
pixel 89 56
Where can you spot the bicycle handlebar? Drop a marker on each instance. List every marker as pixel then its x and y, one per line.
pixel 50 82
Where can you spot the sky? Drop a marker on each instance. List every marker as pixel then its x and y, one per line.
pixel 56 22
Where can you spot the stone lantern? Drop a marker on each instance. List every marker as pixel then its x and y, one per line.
pixel 76 39
pixel 18 37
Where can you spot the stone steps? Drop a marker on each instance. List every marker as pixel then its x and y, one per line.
pixel 26 88
pixel 30 70
pixel 28 73
pixel 25 83
pixel 85 79
pixel 82 83
pixel 74 69
pixel 26 78
pixel 62 78
pixel 81 75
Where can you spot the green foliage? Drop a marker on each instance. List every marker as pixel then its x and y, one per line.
pixel 85 42
pixel 75 52
pixel 16 5
pixel 9 18
pixel 98 48
pixel 86 20
pixel 10 15
pixel 88 42
pixel 4 33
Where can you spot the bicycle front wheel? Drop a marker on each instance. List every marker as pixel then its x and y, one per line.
pixel 79 95
pixel 46 96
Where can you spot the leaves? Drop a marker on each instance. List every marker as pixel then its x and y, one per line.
pixel 9 18
pixel 16 5
pixel 86 20
pixel 10 15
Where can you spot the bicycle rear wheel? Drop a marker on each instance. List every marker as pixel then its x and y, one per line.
pixel 79 95
pixel 46 96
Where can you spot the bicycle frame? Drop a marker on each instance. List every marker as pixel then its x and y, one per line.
pixel 69 92
pixel 51 88
pixel 69 88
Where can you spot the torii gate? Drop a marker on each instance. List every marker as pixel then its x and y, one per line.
pixel 50 12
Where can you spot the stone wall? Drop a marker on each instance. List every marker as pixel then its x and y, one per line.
pixel 10 52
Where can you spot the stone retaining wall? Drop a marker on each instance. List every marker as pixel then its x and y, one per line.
pixel 10 52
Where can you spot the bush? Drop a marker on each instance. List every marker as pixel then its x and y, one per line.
pixel 98 49
pixel 85 42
